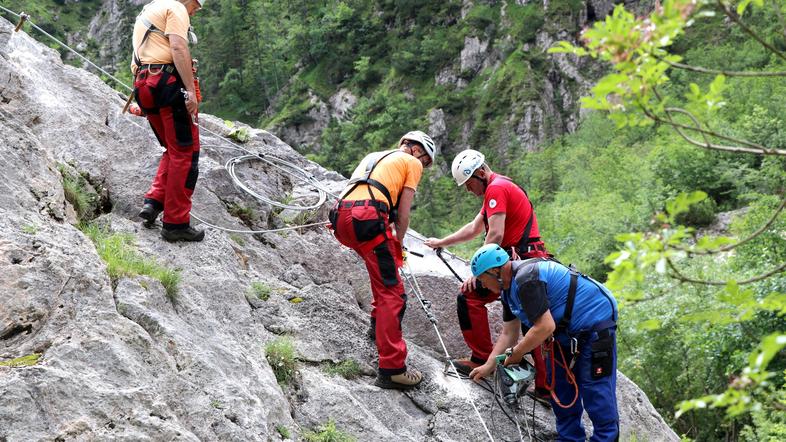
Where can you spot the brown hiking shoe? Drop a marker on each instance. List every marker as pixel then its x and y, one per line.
pixel 464 365
pixel 403 381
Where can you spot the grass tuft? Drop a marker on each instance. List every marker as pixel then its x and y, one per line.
pixel 347 369
pixel 328 433
pixel 24 361
pixel 76 192
pixel 260 290
pixel 30 229
pixel 123 260
pixel 283 431
pixel 245 214
pixel 280 353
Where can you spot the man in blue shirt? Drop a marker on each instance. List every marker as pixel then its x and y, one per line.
pixel 537 292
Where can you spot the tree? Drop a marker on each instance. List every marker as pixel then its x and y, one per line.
pixel 639 92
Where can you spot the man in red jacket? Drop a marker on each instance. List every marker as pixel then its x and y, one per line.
pixel 508 218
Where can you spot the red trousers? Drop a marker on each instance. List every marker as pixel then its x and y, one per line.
pixel 364 229
pixel 474 323
pixel 164 106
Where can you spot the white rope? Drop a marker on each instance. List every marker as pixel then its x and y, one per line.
pixel 413 283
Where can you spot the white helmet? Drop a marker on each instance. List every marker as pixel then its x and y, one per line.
pixel 465 164
pixel 424 140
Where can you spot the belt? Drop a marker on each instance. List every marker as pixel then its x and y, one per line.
pixel 170 68
pixel 373 203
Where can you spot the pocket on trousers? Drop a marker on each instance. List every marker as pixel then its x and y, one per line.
pixel 602 357
pixel 183 124
pixel 387 266
pixel 367 223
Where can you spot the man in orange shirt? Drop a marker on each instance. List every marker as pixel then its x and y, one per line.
pixel 165 91
pixel 378 195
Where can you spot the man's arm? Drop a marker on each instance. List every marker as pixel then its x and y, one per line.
pixel 508 338
pixel 404 205
pixel 464 234
pixel 540 331
pixel 496 229
pixel 182 58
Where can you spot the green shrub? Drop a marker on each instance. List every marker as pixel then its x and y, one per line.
pixel 260 290
pixel 123 260
pixel 347 369
pixel 328 433
pixel 700 214
pixel 280 354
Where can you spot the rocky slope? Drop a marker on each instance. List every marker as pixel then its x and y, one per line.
pixel 121 360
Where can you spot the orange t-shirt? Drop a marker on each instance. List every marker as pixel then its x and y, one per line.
pixel 396 171
pixel 169 16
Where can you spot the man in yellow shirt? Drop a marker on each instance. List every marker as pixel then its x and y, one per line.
pixel 379 195
pixel 165 91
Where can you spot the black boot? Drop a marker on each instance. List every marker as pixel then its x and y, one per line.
pixel 187 234
pixel 150 211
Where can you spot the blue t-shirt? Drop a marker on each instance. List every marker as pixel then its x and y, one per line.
pixel 538 285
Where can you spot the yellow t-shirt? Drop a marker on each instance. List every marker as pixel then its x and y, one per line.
pixel 396 171
pixel 169 16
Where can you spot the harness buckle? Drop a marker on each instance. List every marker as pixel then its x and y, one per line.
pixel 574 346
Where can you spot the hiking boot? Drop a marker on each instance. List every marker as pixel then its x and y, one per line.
pixel 187 234
pixel 150 211
pixel 403 381
pixel 541 397
pixel 465 365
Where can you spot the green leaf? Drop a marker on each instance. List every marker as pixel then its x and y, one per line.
pixel 649 325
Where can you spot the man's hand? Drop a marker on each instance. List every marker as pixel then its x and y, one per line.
pixel 514 358
pixel 469 285
pixel 483 371
pixel 191 103
pixel 434 243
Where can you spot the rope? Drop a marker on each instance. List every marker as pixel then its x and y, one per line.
pixel 426 305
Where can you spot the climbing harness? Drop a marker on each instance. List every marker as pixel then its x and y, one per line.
pixel 372 160
pixel 426 306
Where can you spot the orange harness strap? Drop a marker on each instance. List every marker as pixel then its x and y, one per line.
pixel 548 348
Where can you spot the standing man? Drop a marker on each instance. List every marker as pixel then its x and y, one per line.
pixel 164 89
pixel 509 219
pixel 577 317
pixel 380 195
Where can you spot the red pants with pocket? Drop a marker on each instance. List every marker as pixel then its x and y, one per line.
pixel 363 227
pixel 160 97
pixel 474 323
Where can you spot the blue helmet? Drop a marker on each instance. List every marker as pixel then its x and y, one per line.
pixel 487 257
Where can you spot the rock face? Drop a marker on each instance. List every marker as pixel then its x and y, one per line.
pixel 123 359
